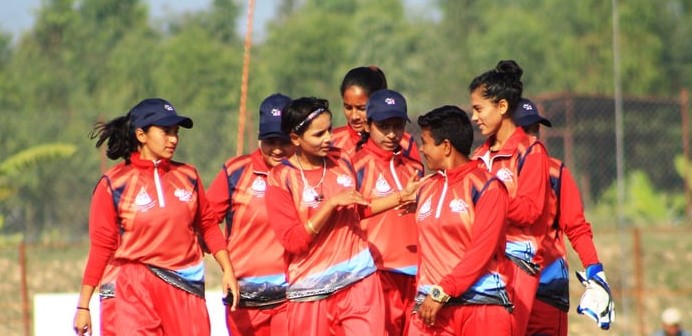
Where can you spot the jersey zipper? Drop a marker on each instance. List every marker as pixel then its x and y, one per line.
pixel 442 196
pixel 159 189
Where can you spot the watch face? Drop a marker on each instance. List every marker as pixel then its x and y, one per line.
pixel 436 293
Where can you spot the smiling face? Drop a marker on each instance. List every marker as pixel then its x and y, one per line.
pixel 317 139
pixel 355 99
pixel 157 142
pixel 486 113
pixel 433 154
pixel 387 133
pixel 274 150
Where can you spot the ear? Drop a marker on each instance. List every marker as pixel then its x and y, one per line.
pixel 141 135
pixel 503 105
pixel 367 126
pixel 295 139
pixel 447 147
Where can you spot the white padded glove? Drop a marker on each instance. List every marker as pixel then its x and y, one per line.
pixel 597 300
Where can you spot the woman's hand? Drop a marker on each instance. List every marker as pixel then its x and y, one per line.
pixel 82 322
pixel 349 197
pixel 230 283
pixel 408 194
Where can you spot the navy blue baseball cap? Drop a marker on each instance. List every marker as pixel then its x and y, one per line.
pixel 526 114
pixel 157 112
pixel 271 110
pixel 385 104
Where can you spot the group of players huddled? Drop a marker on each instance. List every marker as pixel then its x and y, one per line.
pixel 357 230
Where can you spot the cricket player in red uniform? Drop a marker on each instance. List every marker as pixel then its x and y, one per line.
pixel 356 87
pixel 381 170
pixel 521 162
pixel 238 194
pixel 332 285
pixel 461 217
pixel 549 313
pixel 146 214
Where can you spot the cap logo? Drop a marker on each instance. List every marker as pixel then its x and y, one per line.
pixel 527 107
pixel 276 112
pixel 168 107
pixel 390 101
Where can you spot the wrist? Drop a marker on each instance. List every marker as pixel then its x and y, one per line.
pixel 438 294
pixel 83 308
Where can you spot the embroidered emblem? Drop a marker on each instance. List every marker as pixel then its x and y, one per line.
pixel 168 107
pixel 390 101
pixel 143 201
pixel 259 186
pixel 276 112
pixel 382 187
pixel 504 174
pixel 344 180
pixel 458 206
pixel 183 195
pixel 425 209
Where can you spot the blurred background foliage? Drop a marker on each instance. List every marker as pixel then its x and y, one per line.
pixel 90 60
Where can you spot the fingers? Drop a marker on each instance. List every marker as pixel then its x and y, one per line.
pixel 236 298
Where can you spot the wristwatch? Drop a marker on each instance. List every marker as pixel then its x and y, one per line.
pixel 438 294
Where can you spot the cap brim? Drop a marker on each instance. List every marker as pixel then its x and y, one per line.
pixel 173 120
pixel 532 119
pixel 273 135
pixel 385 116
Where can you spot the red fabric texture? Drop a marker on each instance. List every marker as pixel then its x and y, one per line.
pixel 546 320
pixel 258 322
pixel 522 292
pixel 146 305
pixel 107 318
pixel 356 310
pixel 399 294
pixel 464 321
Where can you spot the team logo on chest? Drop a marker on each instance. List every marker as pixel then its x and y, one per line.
pixel 425 209
pixel 311 198
pixel 458 206
pixel 382 187
pixel 344 180
pixel 143 201
pixel 183 195
pixel 505 175
pixel 258 187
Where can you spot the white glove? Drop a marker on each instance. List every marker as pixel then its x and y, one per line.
pixel 597 300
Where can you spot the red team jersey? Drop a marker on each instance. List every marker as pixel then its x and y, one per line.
pixel 149 213
pixel 346 138
pixel 338 255
pixel 522 165
pixel 238 194
pixel 462 224
pixel 570 222
pixel 393 238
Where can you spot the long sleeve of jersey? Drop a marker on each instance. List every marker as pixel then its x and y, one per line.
pixel 285 221
pixel 209 223
pixel 487 233
pixel 103 233
pixel 530 199
pixel 572 220
pixel 217 195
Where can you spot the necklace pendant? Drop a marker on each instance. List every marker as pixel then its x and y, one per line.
pixel 311 195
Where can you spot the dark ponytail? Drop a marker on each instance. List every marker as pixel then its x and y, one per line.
pixel 364 136
pixel 503 82
pixel 120 136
